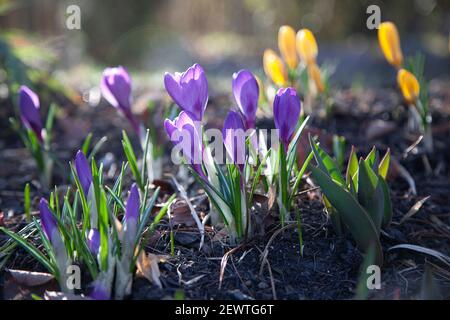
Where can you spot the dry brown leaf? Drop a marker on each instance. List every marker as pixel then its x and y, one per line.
pixel 29 278
pixel 147 267
pixel 414 209
pixel 181 214
pixel 272 194
pixel 221 235
pixel 20 285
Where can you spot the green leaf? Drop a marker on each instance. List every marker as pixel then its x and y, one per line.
pixel 103 219
pixel 50 117
pixel 31 250
pixel 335 218
pixel 80 243
pixel 354 216
pixel 161 213
pixel 362 290
pixel 383 168
pixel 116 198
pixel 144 156
pixel 27 202
pixel 131 157
pixel 86 143
pixel 299 177
pixel 387 211
pixel 352 167
pixel 144 217
pixel 372 159
pixel 292 149
pixel 370 194
pixel 299 230
pixel 96 148
pixel 257 177
pixel 326 163
pixel 339 149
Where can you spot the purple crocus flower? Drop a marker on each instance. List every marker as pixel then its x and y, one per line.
pixel 93 241
pixel 29 110
pixel 83 171
pixel 246 94
pixel 116 89
pixel 286 111
pixel 233 133
pixel 99 291
pixel 132 207
pixel 184 127
pixel 189 90
pixel 48 221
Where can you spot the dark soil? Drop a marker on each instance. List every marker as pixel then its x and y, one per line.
pixel 329 266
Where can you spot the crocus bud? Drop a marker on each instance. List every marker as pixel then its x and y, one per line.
pixel 233 133
pixel 390 43
pixel 409 85
pixel 183 130
pixel 116 89
pixel 29 111
pixel 286 44
pixel 316 76
pixel 274 67
pixel 93 241
pixel 307 46
pixel 246 94
pixel 286 111
pixel 132 207
pixel 189 90
pixel 83 171
pixel 48 221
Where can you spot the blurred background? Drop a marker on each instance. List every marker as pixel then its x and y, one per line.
pixel 150 37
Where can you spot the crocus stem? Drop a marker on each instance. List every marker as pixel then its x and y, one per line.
pixel 62 260
pixel 46 174
pixel 147 149
pixel 428 139
pixel 283 180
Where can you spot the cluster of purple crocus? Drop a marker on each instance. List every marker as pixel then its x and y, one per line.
pixel 130 221
pixel 189 90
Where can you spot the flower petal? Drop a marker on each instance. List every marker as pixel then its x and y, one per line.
pixel 83 171
pixel 246 94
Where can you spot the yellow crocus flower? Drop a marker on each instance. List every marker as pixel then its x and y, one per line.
pixel 274 67
pixel 409 86
pixel 316 76
pixel 307 46
pixel 286 44
pixel 390 43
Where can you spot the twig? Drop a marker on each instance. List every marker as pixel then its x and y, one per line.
pixel 265 253
pixel 411 147
pixel 223 262
pixel 272 280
